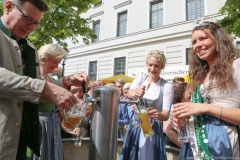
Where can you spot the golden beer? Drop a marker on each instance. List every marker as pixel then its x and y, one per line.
pixel 89 111
pixel 71 122
pixel 145 123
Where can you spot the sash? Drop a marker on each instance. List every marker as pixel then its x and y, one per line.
pixel 212 139
pixel 201 129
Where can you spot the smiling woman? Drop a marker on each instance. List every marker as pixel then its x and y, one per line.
pixel 50 55
pixel 158 94
pixel 215 86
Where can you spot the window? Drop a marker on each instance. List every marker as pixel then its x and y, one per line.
pixel 92 70
pixel 122 24
pixel 188 52
pixel 195 9
pixel 156 14
pixel 119 65
pixel 96 29
pixel 238 45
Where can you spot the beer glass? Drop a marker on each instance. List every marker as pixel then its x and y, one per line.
pixel 184 133
pixel 145 120
pixel 74 116
pixel 123 132
pixel 78 139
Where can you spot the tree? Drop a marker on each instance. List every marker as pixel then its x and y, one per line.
pixel 63 21
pixel 231 22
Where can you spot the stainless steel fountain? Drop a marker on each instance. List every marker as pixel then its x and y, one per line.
pixel 104 126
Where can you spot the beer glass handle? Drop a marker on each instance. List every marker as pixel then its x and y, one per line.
pixel 78 140
pixel 84 87
pixel 171 119
pixel 151 121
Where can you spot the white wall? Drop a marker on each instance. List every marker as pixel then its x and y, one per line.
pixel 173 38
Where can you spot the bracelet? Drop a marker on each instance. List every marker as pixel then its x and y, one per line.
pixel 220 115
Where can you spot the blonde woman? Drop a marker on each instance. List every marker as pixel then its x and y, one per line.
pixel 158 94
pixel 50 55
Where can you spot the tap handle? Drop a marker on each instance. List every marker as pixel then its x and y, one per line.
pixel 84 87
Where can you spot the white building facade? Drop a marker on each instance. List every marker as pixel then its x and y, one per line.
pixel 128 29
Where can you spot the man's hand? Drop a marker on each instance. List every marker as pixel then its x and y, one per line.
pixel 91 85
pixel 62 98
pixel 76 80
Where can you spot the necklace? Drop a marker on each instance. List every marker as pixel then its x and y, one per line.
pixel 43 77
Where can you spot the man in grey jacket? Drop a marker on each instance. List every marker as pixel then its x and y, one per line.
pixel 20 90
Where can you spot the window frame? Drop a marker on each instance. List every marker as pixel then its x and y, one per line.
pixel 195 10
pixel 93 28
pixel 150 13
pixel 89 70
pixel 117 72
pixel 187 53
pixel 238 44
pixel 118 22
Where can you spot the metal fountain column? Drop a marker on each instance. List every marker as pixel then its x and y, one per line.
pixel 104 126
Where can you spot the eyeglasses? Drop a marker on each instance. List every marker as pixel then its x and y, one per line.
pixel 28 19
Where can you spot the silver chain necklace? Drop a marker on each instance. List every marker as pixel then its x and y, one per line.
pixel 43 77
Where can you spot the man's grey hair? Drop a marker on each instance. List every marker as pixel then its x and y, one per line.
pixel 39 4
pixel 121 80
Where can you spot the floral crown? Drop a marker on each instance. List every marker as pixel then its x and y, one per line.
pixel 158 55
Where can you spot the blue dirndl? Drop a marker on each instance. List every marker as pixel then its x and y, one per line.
pixel 130 149
pixel 50 132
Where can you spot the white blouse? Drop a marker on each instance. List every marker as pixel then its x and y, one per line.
pixel 236 74
pixel 153 93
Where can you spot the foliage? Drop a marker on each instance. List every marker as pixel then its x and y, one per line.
pixel 231 22
pixel 1 8
pixel 63 21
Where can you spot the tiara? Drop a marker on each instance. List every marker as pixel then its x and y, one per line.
pixel 202 22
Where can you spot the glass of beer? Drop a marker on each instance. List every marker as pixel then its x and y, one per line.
pixel 123 131
pixel 145 120
pixel 184 133
pixel 74 116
